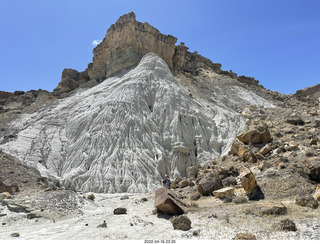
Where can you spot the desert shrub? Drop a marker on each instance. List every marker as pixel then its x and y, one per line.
pixel 239 200
pixel 91 197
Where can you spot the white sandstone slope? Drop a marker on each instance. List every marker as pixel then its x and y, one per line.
pixel 124 134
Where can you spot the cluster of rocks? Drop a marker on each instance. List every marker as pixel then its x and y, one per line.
pixel 275 159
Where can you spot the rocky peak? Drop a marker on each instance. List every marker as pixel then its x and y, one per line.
pixel 125 43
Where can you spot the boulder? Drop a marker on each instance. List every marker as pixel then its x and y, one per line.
pixel 195 196
pixel 294 120
pixel 242 151
pixel 183 183
pixel 235 147
pixel 120 211
pixel 286 225
pixel 250 157
pixel 258 135
pixel 313 170
pixel 224 192
pixel 167 202
pixel 316 194
pixel 306 202
pixel 209 183
pixel 18 205
pixel 33 216
pixel 247 179
pixel 181 222
pixel 266 149
pixel 245 236
pixel 5 195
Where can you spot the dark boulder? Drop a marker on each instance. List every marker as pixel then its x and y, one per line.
pixel 294 120
pixel 209 183
pixel 286 225
pixel 181 223
pixel 120 211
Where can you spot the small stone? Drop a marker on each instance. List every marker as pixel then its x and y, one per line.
pixel 307 202
pixel 313 142
pixel 196 233
pixel 295 120
pixel 191 183
pixel 293 145
pixel 245 236
pixel 266 149
pixel 120 211
pixel 154 211
pixel 195 196
pixel 103 225
pixel 287 225
pixel 124 197
pixel 15 234
pixel 143 199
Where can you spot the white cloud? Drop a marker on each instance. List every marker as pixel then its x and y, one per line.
pixel 95 42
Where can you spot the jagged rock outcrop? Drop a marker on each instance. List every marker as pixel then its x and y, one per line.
pixel 309 92
pixel 191 62
pixel 70 80
pixel 248 80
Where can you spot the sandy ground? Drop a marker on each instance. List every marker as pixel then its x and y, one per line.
pixel 212 218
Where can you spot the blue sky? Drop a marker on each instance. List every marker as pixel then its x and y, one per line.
pixel 277 42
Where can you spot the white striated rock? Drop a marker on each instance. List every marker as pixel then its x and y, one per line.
pixel 124 134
